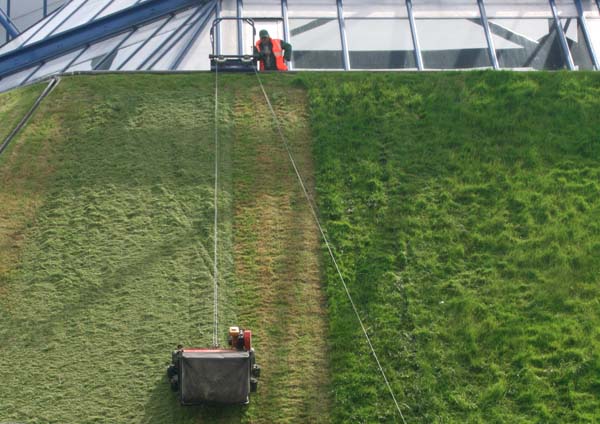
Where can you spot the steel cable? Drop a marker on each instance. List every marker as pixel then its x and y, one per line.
pixel 216 216
pixel 328 245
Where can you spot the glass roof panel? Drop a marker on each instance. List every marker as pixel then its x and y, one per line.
pixel 135 42
pixel 394 50
pixel 197 56
pixel 171 52
pixel 445 9
pixel 312 9
pixel 566 8
pixel 375 9
pixel 143 56
pixel 590 8
pixel 55 66
pixel 116 6
pixel 518 9
pixel 57 21
pixel 527 43
pixel 262 8
pixel 83 15
pixel 577 44
pixel 25 13
pixel 29 33
pixel 184 31
pixel 453 43
pixel 96 53
pixel 594 29
pixel 317 43
pixel 15 80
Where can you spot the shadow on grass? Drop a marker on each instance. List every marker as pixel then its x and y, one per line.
pixel 163 407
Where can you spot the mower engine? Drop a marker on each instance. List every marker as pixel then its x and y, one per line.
pixel 225 376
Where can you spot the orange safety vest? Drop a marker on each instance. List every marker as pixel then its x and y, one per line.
pixel 277 52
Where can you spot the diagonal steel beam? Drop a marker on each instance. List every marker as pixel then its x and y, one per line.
pixel 8 25
pixel 104 27
pixel 561 37
pixel 586 34
pixel 342 24
pixel 488 34
pixel 415 36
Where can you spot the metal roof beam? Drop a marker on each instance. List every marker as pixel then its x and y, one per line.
pixel 8 25
pixel 104 27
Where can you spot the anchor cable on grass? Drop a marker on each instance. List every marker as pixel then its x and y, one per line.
pixel 328 245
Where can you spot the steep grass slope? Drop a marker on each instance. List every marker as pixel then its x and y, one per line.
pixel 465 210
pixel 115 264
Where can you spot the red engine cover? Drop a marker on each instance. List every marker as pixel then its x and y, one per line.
pixel 247 340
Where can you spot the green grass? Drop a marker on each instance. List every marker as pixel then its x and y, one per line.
pixel 463 207
pixel 111 266
pixel 465 211
pixel 14 105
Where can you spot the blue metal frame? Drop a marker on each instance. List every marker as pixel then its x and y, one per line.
pixel 415 37
pixel 197 33
pixel 240 26
pixel 72 39
pixel 561 36
pixel 586 34
pixel 488 35
pixel 342 24
pixel 286 27
pixel 11 30
pixel 45 8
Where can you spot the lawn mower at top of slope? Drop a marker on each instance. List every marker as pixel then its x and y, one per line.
pixel 212 375
pixel 239 62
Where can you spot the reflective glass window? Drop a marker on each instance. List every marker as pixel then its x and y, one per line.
pixel 25 13
pixel 518 9
pixel 14 80
pixel 55 66
pixel 577 44
pixel 197 56
pixel 316 43
pixel 262 8
pixel 527 43
pixel 83 15
pixel 590 9
pixel 134 42
pixel 164 57
pixel 54 5
pixel 593 25
pixel 17 42
pixel 453 43
pixel 374 9
pixel 312 9
pixel 57 20
pixel 392 50
pixel 96 53
pixel 116 6
pixel 451 35
pixel 144 56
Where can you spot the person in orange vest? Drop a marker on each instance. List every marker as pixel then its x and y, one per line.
pixel 272 52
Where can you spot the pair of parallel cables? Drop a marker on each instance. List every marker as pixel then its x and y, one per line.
pixel 313 210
